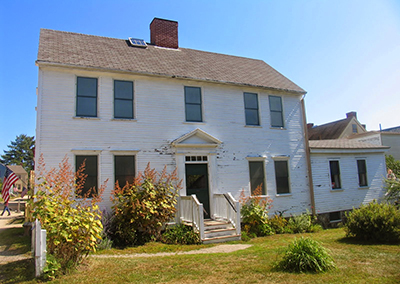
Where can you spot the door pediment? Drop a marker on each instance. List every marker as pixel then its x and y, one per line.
pixel 196 138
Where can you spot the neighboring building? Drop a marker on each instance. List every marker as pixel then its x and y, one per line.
pixel 346 173
pixel 337 129
pixel 227 123
pixel 22 175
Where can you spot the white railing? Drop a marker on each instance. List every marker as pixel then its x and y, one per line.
pixel 191 211
pixel 228 208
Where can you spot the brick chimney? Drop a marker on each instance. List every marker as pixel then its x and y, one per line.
pixel 164 33
pixel 351 114
pixel 310 125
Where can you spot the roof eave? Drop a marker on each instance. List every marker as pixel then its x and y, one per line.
pixel 57 64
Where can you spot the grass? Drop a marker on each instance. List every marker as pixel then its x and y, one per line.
pixel 356 263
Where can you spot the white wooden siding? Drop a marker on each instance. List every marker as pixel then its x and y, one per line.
pixel 160 119
pixel 350 195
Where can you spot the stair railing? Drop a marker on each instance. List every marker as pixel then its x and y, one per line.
pixel 227 208
pixel 191 211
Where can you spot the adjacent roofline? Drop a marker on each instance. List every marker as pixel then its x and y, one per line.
pixel 40 63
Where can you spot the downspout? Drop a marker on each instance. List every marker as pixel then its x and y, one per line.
pixel 310 179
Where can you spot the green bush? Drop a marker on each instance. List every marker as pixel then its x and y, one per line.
pixel 73 225
pixel 305 255
pixel 300 223
pixel 376 222
pixel 278 224
pixel 180 234
pixel 141 209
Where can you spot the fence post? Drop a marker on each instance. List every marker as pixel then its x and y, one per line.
pixel 40 248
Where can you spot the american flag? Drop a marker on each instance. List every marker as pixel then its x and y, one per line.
pixel 9 179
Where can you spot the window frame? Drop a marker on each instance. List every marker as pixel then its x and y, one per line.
pixel 132 100
pixel 246 108
pixel 95 193
pixel 95 98
pixel 276 111
pixel 286 160
pixel 193 104
pixel 359 173
pixel 332 175
pixel 264 178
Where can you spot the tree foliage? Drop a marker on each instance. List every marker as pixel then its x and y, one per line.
pixel 141 209
pixel 73 225
pixel 393 165
pixel 20 152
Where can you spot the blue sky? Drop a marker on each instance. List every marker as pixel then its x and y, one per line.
pixel 345 54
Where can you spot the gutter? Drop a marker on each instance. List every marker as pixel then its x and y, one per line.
pixel 308 157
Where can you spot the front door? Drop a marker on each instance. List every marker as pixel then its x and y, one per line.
pixel 197 183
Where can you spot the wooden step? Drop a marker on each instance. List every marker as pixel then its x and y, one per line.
pixel 219 232
pixel 222 239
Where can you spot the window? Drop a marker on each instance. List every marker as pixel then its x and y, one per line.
pixel 123 99
pixel 251 109
pixel 193 104
pixel 335 216
pixel 354 128
pixel 275 106
pixel 282 177
pixel 124 169
pixel 257 176
pixel 86 97
pixel 335 174
pixel 90 187
pixel 362 173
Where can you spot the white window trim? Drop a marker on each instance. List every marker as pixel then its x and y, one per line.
pixel 366 167
pixel 203 121
pixel 257 159
pixel 287 159
pixel 133 101
pixel 97 117
pixel 283 114
pixel 330 177
pixel 258 111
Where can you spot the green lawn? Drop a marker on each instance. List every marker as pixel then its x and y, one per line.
pixel 356 263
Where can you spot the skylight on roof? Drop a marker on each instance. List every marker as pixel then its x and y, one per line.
pixel 137 42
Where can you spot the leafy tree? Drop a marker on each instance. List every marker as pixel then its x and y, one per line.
pixel 20 152
pixel 393 164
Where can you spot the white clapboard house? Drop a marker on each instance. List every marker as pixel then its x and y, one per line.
pixel 227 123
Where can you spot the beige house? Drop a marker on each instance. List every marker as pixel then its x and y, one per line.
pixel 22 175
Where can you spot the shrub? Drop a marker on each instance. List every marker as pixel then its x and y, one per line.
pixel 254 211
pixel 278 224
pixel 300 223
pixel 142 208
pixel 180 234
pixel 374 222
pixel 73 225
pixel 305 255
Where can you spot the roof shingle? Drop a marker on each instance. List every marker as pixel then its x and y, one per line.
pixel 87 51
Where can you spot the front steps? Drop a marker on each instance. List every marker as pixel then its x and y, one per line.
pixel 219 231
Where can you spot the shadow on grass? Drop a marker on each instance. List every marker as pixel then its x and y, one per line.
pixel 14 241
pixel 17 271
pixel 355 241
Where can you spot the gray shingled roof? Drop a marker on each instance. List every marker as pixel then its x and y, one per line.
pixel 343 144
pixel 87 51
pixel 331 130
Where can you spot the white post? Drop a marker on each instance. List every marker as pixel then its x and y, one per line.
pixel 238 218
pixel 40 248
pixel 201 225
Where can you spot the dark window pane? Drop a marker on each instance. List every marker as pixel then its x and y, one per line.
pixel 90 187
pixel 282 177
pixel 362 173
pixel 193 112
pixel 276 119
pixel 86 102
pixel 252 117
pixel 275 103
pixel 192 95
pixel 257 176
pixel 123 90
pixel 87 87
pixel 335 174
pixel 250 100
pixel 124 169
pixel 86 106
pixel 123 109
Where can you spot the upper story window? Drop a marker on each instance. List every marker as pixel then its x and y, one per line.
pixel 282 177
pixel 89 189
pixel 124 169
pixel 86 97
pixel 123 99
pixel 335 174
pixel 276 111
pixel 354 128
pixel 251 109
pixel 362 173
pixel 193 104
pixel 257 177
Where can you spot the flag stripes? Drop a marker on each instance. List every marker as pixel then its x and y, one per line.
pixel 9 179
